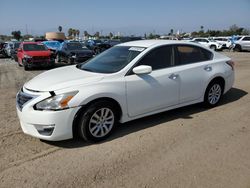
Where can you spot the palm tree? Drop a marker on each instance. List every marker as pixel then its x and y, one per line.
pixel 202 27
pixel 60 28
pixel 77 33
pixel 111 35
pixel 74 33
pixel 86 34
pixel 171 31
pixel 70 32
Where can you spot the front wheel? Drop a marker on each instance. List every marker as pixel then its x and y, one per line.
pixel 213 47
pixel 213 94
pixel 98 121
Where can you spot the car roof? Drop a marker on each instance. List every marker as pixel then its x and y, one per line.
pixel 151 43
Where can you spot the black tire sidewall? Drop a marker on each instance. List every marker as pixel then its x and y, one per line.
pixel 83 126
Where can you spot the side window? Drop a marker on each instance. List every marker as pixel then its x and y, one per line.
pixel 246 39
pixel 187 54
pixel 158 58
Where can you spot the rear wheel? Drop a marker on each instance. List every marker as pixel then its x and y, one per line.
pixel 213 94
pixel 237 48
pixel 97 121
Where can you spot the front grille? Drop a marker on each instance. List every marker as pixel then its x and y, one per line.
pixel 22 98
pixel 40 58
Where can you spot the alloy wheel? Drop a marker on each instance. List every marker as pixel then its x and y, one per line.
pixel 101 122
pixel 214 94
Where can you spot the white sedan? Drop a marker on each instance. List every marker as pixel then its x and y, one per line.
pixel 126 82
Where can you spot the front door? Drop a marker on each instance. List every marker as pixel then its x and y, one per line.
pixel 159 89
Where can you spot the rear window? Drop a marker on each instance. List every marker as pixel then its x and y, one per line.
pixel 187 54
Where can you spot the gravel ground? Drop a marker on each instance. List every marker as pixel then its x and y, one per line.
pixel 188 147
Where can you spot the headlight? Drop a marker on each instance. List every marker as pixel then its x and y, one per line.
pixel 27 56
pixel 57 102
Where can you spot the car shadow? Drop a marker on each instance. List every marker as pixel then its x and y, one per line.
pixel 143 123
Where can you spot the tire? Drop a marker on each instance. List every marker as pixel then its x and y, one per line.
pixel 213 94
pixel 213 47
pixel 98 121
pixel 25 66
pixel 58 58
pixel 69 61
pixel 237 48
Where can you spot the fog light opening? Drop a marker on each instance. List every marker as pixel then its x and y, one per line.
pixel 45 130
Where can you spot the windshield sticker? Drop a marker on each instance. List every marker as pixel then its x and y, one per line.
pixel 139 49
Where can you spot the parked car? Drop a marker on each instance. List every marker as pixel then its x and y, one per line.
pixel 7 48
pixel 34 54
pixel 13 51
pixel 73 52
pixel 96 45
pixel 2 51
pixel 126 82
pixel 53 46
pixel 224 41
pixel 208 43
pixel 243 43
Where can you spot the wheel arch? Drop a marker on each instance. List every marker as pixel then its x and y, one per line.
pixel 219 79
pixel 85 106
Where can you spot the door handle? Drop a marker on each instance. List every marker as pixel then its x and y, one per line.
pixel 208 68
pixel 173 76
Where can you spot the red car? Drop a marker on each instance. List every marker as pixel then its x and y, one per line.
pixel 34 54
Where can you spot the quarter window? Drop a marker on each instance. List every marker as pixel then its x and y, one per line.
pixel 191 54
pixel 158 58
pixel 246 39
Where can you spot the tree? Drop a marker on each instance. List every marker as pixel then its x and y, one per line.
pixel 86 34
pixel 16 35
pixel 77 33
pixel 70 32
pixel 171 31
pixel 97 34
pixel 60 28
pixel 151 36
pixel 111 35
pixel 202 27
pixel 74 33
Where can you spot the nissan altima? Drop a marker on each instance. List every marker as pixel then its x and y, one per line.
pixel 126 82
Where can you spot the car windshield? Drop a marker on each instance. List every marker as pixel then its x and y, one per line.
pixel 74 46
pixel 112 60
pixel 52 44
pixel 34 47
pixel 16 45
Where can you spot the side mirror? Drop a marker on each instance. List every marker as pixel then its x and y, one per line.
pixel 19 49
pixel 142 69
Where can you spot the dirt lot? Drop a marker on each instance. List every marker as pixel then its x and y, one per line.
pixel 188 147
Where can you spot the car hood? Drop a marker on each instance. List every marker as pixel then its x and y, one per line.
pixel 83 51
pixel 62 78
pixel 37 53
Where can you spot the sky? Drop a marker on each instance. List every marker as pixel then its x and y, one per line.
pixel 128 17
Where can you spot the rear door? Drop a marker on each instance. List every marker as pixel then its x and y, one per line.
pixel 245 43
pixel 193 65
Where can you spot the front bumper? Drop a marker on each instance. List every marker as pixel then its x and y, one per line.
pixel 39 63
pixel 46 125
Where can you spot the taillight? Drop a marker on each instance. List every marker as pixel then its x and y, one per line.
pixel 231 64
